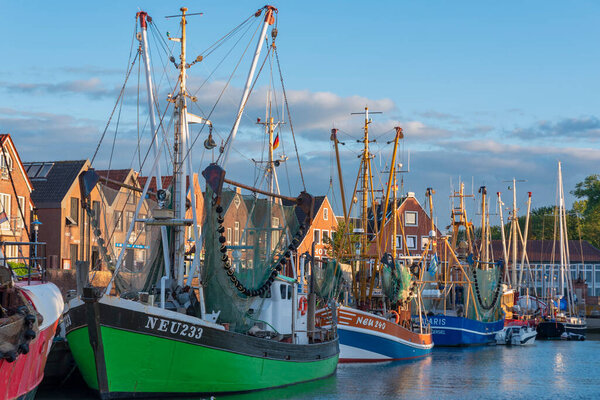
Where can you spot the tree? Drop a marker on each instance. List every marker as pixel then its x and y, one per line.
pixel 589 208
pixel 342 243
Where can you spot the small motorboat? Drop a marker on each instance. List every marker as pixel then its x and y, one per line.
pixel 516 335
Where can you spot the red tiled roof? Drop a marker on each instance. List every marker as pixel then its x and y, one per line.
pixel 540 251
pixel 119 175
pixel 166 182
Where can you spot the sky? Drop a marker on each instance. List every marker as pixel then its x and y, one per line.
pixel 485 92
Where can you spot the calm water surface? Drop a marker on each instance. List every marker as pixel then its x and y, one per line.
pixel 546 370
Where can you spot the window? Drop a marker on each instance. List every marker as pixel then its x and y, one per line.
pixel 411 242
pixel 96 208
pixel 5 165
pixel 236 233
pixel 410 218
pixel 20 217
pixel 283 291
pixel 424 242
pixel 128 219
pixel 118 221
pixel 38 171
pixel 228 236
pixel 131 198
pixel 139 226
pixel 317 236
pixel 398 242
pixel 597 274
pixel 74 214
pixel 325 214
pixel 5 207
pixel 588 277
pixel 325 236
pixel 73 250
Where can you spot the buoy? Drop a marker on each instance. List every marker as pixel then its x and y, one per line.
pixel 302 305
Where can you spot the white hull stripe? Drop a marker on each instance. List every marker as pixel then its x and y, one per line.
pixel 433 327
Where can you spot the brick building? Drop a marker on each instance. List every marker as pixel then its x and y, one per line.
pixel 119 205
pixel 15 200
pixel 321 227
pixel 66 227
pixel 411 216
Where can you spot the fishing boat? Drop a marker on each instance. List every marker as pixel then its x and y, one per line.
pixel 562 320
pixel 30 309
pixel 464 305
pixel 376 327
pixel 232 323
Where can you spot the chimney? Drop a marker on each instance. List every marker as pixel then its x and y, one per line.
pixel 410 194
pixel 238 190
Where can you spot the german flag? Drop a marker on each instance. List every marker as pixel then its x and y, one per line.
pixel 276 142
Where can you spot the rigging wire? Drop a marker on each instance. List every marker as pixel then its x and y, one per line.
pixel 114 108
pixel 224 58
pixel 287 106
pixel 221 95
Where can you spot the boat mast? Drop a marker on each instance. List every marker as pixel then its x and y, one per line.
pixel 269 20
pixel 339 168
pixel 364 240
pixel 144 19
pixel 392 177
pixel 179 167
pixel 484 244
pixel 513 276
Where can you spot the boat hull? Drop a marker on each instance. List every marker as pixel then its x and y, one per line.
pixel 141 354
pixel 548 330
pixel 459 331
pixel 21 378
pixel 365 337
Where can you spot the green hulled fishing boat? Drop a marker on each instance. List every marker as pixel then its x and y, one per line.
pixel 239 320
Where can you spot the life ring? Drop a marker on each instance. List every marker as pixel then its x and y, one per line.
pixel 302 305
pixel 397 316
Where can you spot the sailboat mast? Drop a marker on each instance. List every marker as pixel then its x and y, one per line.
pixel 179 168
pixel 513 276
pixel 561 230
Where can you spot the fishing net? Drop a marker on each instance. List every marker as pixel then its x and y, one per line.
pixel 246 239
pixel 486 288
pixel 328 279
pixel 142 262
pixel 396 282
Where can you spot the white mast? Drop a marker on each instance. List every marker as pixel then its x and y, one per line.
pixel 144 19
pixel 268 21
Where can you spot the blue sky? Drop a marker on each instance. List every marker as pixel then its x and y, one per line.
pixel 483 91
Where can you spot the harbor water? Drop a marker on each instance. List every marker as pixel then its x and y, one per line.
pixel 546 370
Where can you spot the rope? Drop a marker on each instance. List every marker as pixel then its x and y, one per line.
pixel 114 109
pixel 120 93
pixel 287 106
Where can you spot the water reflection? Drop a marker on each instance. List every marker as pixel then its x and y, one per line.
pixel 547 370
